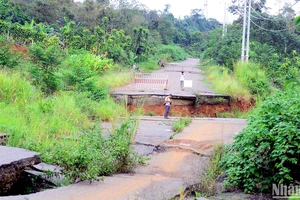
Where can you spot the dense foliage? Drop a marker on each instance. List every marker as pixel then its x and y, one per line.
pixel 91 155
pixel 274 43
pixel 267 151
pixel 57 64
pixel 125 31
pixel 62 128
pixel 54 92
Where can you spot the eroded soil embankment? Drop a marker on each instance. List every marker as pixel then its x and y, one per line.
pixel 203 110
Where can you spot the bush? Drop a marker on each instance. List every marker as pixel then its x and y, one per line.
pixel 8 59
pixel 91 155
pixel 79 74
pixel 267 151
pixel 88 61
pixel 225 83
pixel 15 89
pixel 172 52
pixel 179 125
pixel 253 77
pixel 45 65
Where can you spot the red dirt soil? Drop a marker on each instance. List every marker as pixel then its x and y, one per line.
pixel 203 110
pixel 17 48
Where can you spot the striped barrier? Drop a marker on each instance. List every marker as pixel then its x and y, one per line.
pixel 154 81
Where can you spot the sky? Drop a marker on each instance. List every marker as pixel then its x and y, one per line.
pixel 215 8
pixel 180 8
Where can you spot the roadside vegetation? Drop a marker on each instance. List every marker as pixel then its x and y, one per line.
pixel 247 81
pixel 266 152
pixel 59 63
pixel 56 76
pixel 208 185
pixel 179 125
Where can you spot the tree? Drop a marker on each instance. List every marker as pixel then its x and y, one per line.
pixel 12 13
pixel 140 38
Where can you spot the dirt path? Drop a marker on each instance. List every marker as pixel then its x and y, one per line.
pixel 173 164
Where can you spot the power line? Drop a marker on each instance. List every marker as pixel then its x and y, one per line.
pixel 292 5
pixel 271 30
pixel 262 17
pixel 205 8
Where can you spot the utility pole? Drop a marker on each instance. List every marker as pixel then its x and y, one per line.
pixel 248 32
pixel 205 9
pixel 244 31
pixel 225 19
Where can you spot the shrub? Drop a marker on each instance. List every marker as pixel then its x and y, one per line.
pixel 91 155
pixel 15 89
pixel 225 83
pixel 172 52
pixel 267 151
pixel 179 125
pixel 45 65
pixel 79 74
pixel 253 77
pixel 88 61
pixel 7 57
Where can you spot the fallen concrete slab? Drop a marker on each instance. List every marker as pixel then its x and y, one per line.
pixel 13 161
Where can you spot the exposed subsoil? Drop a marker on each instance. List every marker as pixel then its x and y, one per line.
pixel 17 48
pixel 203 110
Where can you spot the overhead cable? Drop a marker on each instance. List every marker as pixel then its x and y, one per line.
pixel 272 30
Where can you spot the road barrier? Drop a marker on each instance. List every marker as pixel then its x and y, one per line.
pixel 154 81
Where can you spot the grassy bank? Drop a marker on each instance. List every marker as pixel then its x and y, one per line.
pixel 64 128
pixel 247 81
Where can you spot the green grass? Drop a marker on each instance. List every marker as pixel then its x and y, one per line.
pixel 149 66
pixel 207 186
pixel 180 124
pixel 236 113
pixel 115 78
pixel 225 83
pixel 63 128
pixel 15 89
pixel 247 80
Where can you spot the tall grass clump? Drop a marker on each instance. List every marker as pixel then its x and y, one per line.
pixel 247 80
pixel 64 135
pixel 253 77
pixel 224 82
pixel 109 110
pixel 63 129
pixel 180 124
pixel 208 174
pixel 42 119
pixel 90 155
pixel 149 66
pixel 15 89
pixel 115 78
pixel 105 110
